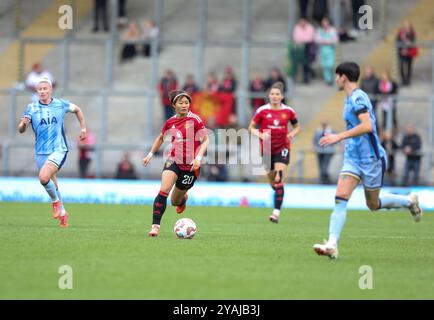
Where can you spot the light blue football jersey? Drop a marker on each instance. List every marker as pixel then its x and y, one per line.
pixel 47 124
pixel 365 146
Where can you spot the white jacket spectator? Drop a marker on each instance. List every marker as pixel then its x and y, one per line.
pixel 36 75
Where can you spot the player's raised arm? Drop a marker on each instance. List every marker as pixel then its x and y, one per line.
pixel 80 117
pixel 155 147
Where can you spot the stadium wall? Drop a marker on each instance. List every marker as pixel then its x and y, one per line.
pixel 203 193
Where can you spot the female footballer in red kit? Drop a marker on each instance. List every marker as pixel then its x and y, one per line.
pixel 273 119
pixel 189 142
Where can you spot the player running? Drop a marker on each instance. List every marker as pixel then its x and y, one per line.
pixel 273 119
pixel 364 160
pixel 181 169
pixel 47 116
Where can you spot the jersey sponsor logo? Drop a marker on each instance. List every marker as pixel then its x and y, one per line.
pixel 48 121
pixel 179 137
pixel 276 122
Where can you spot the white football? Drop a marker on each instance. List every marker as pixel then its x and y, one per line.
pixel 185 228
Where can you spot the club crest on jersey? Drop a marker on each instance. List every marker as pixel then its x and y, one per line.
pixel 276 122
pixel 48 121
pixel 284 116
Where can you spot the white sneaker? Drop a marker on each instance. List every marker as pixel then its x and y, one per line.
pixel 414 208
pixel 274 218
pixel 326 249
pixel 155 230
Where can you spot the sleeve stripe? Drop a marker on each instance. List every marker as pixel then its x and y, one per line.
pixel 264 107
pixel 288 107
pixel 195 116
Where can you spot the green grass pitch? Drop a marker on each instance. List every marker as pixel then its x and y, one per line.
pixel 236 254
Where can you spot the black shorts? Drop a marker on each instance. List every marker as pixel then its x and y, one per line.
pixel 186 179
pixel 281 157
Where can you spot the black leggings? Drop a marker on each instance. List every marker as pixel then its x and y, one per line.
pixel 405 69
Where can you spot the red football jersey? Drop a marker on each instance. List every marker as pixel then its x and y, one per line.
pixel 275 120
pixel 186 133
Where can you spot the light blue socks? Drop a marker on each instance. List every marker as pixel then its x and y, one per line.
pixel 337 220
pixel 390 201
pixel 50 187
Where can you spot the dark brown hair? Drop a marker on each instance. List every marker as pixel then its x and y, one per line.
pixel 278 85
pixel 175 95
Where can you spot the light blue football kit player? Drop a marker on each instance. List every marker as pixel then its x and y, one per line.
pixel 46 117
pixel 47 124
pixel 364 156
pixel 364 160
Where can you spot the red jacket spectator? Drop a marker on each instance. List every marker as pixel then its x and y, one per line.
pixel 167 83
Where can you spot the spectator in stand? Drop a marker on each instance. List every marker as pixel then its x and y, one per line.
pixel 412 147
pixel 303 49
pixel 86 149
pixel 35 76
pixel 390 146
pixel 320 10
pixel 167 83
pixel 233 122
pixel 190 85
pixel 229 83
pixel 344 36
pixel 125 168
pixel 355 5
pixel 387 88
pixel 211 84
pixel 100 11
pixel 275 76
pixel 327 39
pixel 324 154
pixel 303 5
pixel 407 51
pixel 217 172
pixel 369 84
pixel 122 17
pixel 150 33
pixel 130 49
pixel 257 86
